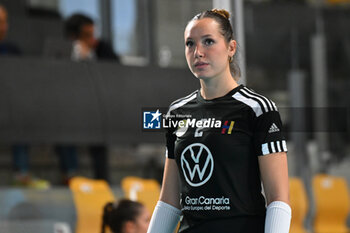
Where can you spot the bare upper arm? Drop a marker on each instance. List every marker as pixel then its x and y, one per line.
pixel 170 192
pixel 274 175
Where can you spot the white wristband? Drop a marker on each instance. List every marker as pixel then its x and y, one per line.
pixel 164 219
pixel 278 216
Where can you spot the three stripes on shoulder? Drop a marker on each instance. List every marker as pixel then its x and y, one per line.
pixel 259 103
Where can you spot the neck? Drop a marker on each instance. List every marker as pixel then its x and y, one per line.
pixel 215 87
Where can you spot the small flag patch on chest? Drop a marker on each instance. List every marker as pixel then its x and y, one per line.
pixel 227 127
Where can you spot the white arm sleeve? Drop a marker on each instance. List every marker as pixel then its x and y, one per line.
pixel 278 216
pixel 164 219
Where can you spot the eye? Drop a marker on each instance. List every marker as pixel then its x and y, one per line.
pixel 189 43
pixel 208 41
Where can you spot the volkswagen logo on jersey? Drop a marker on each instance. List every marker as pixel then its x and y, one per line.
pixel 197 164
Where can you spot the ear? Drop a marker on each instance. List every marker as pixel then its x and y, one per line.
pixel 129 227
pixel 232 47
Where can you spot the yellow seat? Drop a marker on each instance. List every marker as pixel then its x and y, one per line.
pixel 90 196
pixel 299 205
pixel 332 204
pixel 145 191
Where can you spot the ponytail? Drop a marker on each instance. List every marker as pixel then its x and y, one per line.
pixel 108 208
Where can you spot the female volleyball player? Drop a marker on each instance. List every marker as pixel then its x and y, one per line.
pixel 229 140
pixel 125 216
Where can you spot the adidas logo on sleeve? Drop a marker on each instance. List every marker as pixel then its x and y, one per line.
pixel 273 128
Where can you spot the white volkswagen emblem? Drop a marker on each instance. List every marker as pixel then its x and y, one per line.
pixel 197 159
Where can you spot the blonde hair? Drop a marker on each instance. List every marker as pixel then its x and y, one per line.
pixel 222 12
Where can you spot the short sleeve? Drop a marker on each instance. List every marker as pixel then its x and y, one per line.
pixel 170 143
pixel 268 134
pixel 170 139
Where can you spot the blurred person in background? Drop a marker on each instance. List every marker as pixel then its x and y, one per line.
pixel 125 216
pixel 20 152
pixel 213 175
pixel 80 29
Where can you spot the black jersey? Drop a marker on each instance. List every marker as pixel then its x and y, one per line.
pixel 216 144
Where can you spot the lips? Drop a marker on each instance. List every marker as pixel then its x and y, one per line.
pixel 200 64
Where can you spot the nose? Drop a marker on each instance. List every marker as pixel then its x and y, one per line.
pixel 198 52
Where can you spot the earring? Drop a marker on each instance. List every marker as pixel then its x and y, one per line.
pixel 230 59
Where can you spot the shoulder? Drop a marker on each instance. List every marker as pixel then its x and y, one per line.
pixel 104 50
pixel 182 101
pixel 257 102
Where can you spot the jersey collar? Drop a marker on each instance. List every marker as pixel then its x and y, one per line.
pixel 226 96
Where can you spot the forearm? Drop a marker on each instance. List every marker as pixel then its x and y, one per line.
pixel 167 212
pixel 170 192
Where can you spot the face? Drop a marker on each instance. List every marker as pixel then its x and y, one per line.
pixel 206 49
pixel 142 221
pixel 3 23
pixel 87 35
